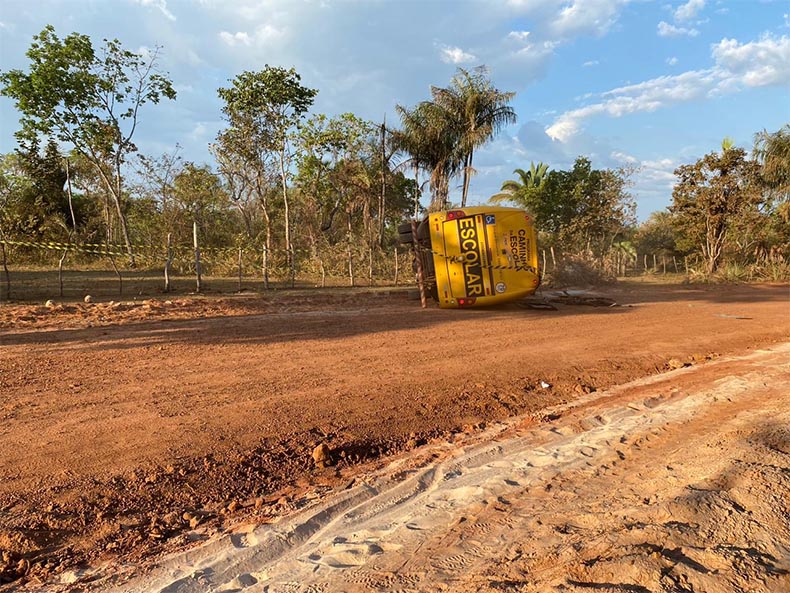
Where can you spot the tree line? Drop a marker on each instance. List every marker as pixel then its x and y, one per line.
pixel 729 209
pixel 308 193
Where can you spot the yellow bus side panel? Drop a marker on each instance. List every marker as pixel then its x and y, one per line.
pixel 466 261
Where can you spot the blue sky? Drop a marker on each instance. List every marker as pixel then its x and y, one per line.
pixel 623 82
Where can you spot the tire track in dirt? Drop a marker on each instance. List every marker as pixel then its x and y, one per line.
pixel 674 483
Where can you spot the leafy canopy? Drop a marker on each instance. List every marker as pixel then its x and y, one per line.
pixel 268 102
pixel 521 191
pixel 712 199
pixel 78 95
pixel 440 135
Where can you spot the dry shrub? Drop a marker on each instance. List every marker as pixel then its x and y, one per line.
pixel 576 271
pixel 773 270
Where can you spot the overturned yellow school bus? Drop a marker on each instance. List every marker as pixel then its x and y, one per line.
pixel 475 256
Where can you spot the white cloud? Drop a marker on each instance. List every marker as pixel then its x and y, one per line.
pixel 643 97
pixel 234 39
pixel 455 55
pixel 653 183
pixel 661 170
pixel 160 5
pixel 672 61
pixel 192 58
pixel 667 30
pixel 539 50
pixel 622 157
pixel 198 132
pixel 586 17
pixel 689 10
pixel 521 36
pixel 759 63
pixel 144 52
pixel 263 35
pixel 590 63
pixel 520 3
pixel 754 64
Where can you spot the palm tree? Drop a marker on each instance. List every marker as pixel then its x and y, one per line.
pixel 727 143
pixel 772 150
pixel 429 141
pixel 442 134
pixel 475 111
pixel 520 192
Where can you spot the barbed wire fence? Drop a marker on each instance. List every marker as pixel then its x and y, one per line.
pixel 190 268
pixel 185 268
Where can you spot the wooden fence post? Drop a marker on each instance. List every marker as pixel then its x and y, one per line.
pixel 7 275
pixel 396 265
pixel 370 265
pixel 197 254
pixel 168 261
pixel 240 253
pixel 418 259
pixel 60 271
pixel 350 264
pixel 265 267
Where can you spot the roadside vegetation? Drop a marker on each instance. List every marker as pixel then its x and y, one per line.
pixel 294 194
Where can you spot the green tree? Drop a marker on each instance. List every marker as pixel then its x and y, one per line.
pixel 712 201
pixel 430 146
pixel 93 205
pixel 474 111
pixel 772 151
pixel 48 178
pixel 156 187
pixel 333 163
pixel 441 135
pixel 250 181
pixel 262 109
pixel 36 206
pixel 340 174
pixel 656 234
pixel 583 210
pixel 34 203
pixel 198 197
pixel 17 218
pixel 521 191
pixel 88 99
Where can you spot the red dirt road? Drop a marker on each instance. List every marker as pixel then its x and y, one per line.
pixel 116 439
pixel 676 482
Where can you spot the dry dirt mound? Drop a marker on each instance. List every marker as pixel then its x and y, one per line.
pixel 89 314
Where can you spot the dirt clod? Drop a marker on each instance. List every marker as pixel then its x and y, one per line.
pixel 322 455
pixel 674 363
